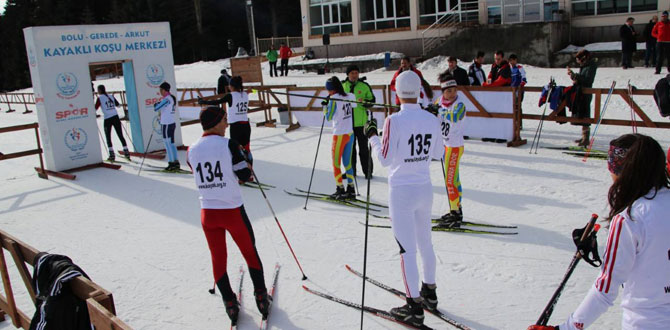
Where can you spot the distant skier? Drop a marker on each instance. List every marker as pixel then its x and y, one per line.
pixel 452 115
pixel 238 107
pixel 217 164
pixel 167 110
pixel 108 103
pixel 636 253
pixel 341 114
pixel 411 138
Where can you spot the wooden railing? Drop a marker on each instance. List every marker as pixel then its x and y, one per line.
pixel 100 302
pixel 37 151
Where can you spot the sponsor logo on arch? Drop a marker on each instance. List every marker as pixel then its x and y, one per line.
pixel 67 85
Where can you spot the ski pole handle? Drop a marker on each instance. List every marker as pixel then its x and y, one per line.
pixel 549 309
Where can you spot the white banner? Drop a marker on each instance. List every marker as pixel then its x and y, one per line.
pixel 59 58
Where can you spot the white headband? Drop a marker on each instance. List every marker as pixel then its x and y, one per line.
pixel 448 83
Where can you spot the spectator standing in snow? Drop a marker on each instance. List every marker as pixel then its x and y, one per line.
pixel 272 59
pixel 500 74
pixel 518 72
pixel 584 79
pixel 284 53
pixel 224 82
pixel 650 43
pixel 475 72
pixel 363 93
pixel 458 73
pixel 661 32
pixel 405 65
pixel 628 44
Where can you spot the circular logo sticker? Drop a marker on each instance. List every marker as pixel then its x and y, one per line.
pixel 76 139
pixel 155 74
pixel 67 84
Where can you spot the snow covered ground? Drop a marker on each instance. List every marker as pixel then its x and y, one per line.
pixel 140 236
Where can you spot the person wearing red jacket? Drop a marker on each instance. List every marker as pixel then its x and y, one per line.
pixel 284 54
pixel 501 72
pixel 661 32
pixel 405 65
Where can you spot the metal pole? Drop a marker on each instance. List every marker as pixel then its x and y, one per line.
pixel 250 26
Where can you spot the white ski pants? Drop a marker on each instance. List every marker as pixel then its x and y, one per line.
pixel 410 208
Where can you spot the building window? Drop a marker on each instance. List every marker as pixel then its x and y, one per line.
pixel 551 8
pixel 521 11
pixel 384 14
pixel 432 10
pixel 604 7
pixel 329 16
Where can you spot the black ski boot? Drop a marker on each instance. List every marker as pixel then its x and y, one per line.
pixel 176 166
pixel 233 310
pixel 126 154
pixel 350 193
pixel 452 219
pixel 339 192
pixel 111 158
pixel 170 167
pixel 263 302
pixel 412 312
pixel 429 296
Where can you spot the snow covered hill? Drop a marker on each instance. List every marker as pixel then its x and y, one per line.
pixel 140 236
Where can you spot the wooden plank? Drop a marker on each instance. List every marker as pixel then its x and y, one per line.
pixel 61 175
pixel 647 121
pixel 20 263
pixel 18 127
pixel 102 319
pixel 20 154
pixel 475 102
pixel 10 308
pixel 596 108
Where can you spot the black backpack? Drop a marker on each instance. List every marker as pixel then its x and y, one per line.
pixel 662 96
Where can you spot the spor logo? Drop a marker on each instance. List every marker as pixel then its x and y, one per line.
pixel 67 85
pixel 76 139
pixel 155 75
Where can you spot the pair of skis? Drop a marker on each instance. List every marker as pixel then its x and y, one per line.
pixel 271 293
pixel 355 203
pixel 458 229
pixel 382 313
pixel 578 151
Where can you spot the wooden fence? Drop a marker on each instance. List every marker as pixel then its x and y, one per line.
pixel 99 301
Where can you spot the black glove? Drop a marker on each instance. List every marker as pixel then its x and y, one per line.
pixel 371 128
pixel 432 108
pixel 587 248
pixel 325 102
pixel 200 101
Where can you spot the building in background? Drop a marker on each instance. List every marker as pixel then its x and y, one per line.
pixel 370 26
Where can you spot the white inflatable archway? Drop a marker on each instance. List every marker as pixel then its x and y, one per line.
pixel 59 58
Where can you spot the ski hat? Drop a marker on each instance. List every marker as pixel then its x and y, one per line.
pixel 211 116
pixel 615 157
pixel 408 85
pixel 329 85
pixel 352 67
pixel 665 13
pixel 165 86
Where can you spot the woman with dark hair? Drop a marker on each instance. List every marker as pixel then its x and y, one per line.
pixel 340 112
pixel 426 95
pixel 108 104
pixel 637 254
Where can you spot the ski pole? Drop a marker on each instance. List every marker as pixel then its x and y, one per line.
pixel 146 151
pixel 255 91
pixel 260 187
pixel 539 126
pixel 101 139
pixel 632 111
pixel 444 175
pixel 602 114
pixel 323 121
pixel 367 218
pixel 546 313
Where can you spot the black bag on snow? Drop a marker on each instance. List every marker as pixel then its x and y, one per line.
pixel 57 308
pixel 662 96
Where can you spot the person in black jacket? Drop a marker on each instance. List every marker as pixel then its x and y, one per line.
pixel 224 82
pixel 459 74
pixel 628 44
pixel 650 43
pixel 475 72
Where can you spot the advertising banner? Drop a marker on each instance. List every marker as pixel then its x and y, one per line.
pixel 59 58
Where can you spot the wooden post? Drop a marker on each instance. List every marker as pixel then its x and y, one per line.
pixel 596 113
pixel 41 174
pixel 11 304
pixel 20 263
